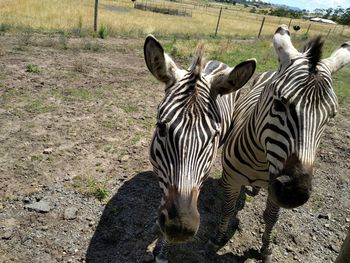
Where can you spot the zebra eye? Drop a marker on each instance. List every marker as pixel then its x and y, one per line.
pixel 279 105
pixel 161 126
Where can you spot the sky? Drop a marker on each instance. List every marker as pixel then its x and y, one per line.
pixel 312 4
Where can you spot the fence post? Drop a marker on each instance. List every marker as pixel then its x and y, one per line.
pixel 334 28
pixel 329 32
pixel 261 27
pixel 290 21
pixel 95 16
pixel 307 31
pixel 217 25
pixel 342 31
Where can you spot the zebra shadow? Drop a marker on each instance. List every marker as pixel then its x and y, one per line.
pixel 126 226
pixel 126 230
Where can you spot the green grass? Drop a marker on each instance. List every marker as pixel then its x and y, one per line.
pixel 32 68
pixel 130 108
pixel 78 93
pixel 38 107
pixel 341 86
pixel 91 187
pixel 102 32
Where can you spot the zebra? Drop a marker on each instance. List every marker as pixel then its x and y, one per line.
pixel 276 131
pixel 193 120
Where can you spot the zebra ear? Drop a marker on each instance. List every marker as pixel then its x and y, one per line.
pixel 339 58
pixel 230 80
pixel 158 62
pixel 283 45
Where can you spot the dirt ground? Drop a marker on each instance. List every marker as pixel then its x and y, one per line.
pixel 76 119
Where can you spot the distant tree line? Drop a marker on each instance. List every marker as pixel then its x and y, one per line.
pixel 340 15
pixel 286 13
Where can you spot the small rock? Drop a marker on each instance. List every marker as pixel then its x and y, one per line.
pixel 326 225
pixel 289 249
pixel 26 200
pixel 91 223
pixel 48 151
pixel 7 235
pixel 124 158
pixel 347 220
pixel 249 260
pixel 334 248
pixel 328 216
pixel 227 248
pixel 41 206
pixel 70 213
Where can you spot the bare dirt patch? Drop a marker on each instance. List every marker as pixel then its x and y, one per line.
pixel 79 128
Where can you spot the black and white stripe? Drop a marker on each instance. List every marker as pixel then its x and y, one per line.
pixel 276 130
pixel 193 120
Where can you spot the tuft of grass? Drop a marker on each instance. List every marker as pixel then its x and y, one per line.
pixel 91 187
pixel 79 65
pixel 4 27
pixel 78 93
pixel 78 30
pixel 38 107
pixel 25 36
pixel 91 45
pixel 102 32
pixel 63 39
pixel 130 108
pixel 32 68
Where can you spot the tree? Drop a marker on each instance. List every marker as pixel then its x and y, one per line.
pixel 329 11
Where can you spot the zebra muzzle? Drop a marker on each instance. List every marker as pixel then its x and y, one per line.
pixel 290 191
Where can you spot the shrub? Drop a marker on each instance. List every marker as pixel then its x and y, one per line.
pixel 102 32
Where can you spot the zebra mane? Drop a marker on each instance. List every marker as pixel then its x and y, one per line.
pixel 198 63
pixel 313 51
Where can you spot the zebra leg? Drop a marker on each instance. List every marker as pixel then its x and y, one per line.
pixel 161 251
pixel 230 209
pixel 271 214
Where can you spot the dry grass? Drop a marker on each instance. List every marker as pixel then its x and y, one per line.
pixel 121 18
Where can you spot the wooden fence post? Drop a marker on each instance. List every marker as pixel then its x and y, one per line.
pixel 261 27
pixel 95 16
pixel 342 31
pixel 334 28
pixel 217 25
pixel 290 21
pixel 329 31
pixel 307 31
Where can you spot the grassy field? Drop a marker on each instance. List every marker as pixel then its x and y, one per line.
pixel 122 19
pixel 235 42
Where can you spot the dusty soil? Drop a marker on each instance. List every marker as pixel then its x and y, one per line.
pixel 79 126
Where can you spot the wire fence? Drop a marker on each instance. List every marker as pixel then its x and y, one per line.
pixel 231 13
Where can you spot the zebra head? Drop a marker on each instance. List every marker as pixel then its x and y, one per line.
pixel 188 131
pixel 299 101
